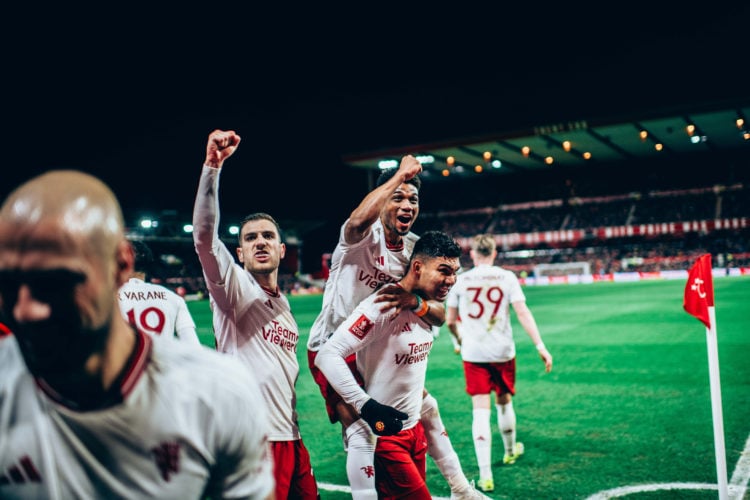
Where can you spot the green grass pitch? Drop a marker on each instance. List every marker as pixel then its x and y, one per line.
pixel 627 403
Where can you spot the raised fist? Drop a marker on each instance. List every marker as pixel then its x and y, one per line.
pixel 221 145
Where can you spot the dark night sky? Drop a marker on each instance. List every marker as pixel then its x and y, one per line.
pixel 131 95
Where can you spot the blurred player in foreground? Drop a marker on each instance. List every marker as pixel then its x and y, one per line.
pixel 153 308
pixel 392 348
pixel 252 318
pixel 482 298
pixel 89 407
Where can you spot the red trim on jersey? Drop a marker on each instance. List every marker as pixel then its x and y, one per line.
pixel 272 293
pixel 4 330
pixel 395 248
pixel 136 363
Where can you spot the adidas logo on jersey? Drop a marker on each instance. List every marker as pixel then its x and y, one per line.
pixel 23 472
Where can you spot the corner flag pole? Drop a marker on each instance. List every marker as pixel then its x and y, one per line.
pixel 699 301
pixel 713 375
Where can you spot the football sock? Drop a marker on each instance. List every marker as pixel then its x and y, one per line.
pixel 506 421
pixel 482 434
pixel 439 445
pixel 360 457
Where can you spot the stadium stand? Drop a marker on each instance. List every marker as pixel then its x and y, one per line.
pixel 648 221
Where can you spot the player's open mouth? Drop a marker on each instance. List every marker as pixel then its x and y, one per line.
pixel 405 220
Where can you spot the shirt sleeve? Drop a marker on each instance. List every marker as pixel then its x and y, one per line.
pixel 357 331
pixel 516 292
pixel 184 325
pixel 216 260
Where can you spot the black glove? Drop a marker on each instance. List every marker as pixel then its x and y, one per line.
pixel 383 420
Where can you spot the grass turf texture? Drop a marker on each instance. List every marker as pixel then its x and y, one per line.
pixel 627 402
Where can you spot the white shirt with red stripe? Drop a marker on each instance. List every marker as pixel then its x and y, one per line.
pixel 483 296
pixel 356 271
pixel 157 310
pixel 392 352
pixel 250 323
pixel 183 419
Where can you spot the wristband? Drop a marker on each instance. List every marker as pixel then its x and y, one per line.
pixel 422 307
pixel 540 346
pixel 419 303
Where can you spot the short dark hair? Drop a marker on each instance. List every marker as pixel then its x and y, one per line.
pixel 387 173
pixel 436 244
pixel 259 216
pixel 144 257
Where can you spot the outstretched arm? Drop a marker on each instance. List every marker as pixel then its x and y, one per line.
pixel 216 260
pixel 529 324
pixel 369 208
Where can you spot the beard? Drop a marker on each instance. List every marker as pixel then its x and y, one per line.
pixel 56 349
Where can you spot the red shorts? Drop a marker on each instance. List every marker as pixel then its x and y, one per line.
pixel 329 393
pixel 483 378
pixel 400 465
pixel 292 470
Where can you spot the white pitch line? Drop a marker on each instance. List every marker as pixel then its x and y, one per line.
pixel 741 475
pixel 347 489
pixel 737 486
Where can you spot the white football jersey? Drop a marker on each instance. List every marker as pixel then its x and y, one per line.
pixel 483 296
pixel 157 310
pixel 250 324
pixel 356 271
pixel 187 422
pixel 392 352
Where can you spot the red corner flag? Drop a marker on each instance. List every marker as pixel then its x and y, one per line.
pixel 699 290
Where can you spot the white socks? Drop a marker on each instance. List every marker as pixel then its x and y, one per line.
pixel 506 421
pixel 439 445
pixel 360 467
pixel 482 434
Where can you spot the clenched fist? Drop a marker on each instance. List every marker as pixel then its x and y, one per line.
pixel 221 145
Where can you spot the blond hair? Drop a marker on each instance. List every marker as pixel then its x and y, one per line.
pixel 483 244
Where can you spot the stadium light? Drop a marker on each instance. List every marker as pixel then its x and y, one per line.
pixel 187 228
pixel 386 164
pixel 234 230
pixel 148 223
pixel 425 159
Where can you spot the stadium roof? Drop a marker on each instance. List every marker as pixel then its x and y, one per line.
pixel 715 129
